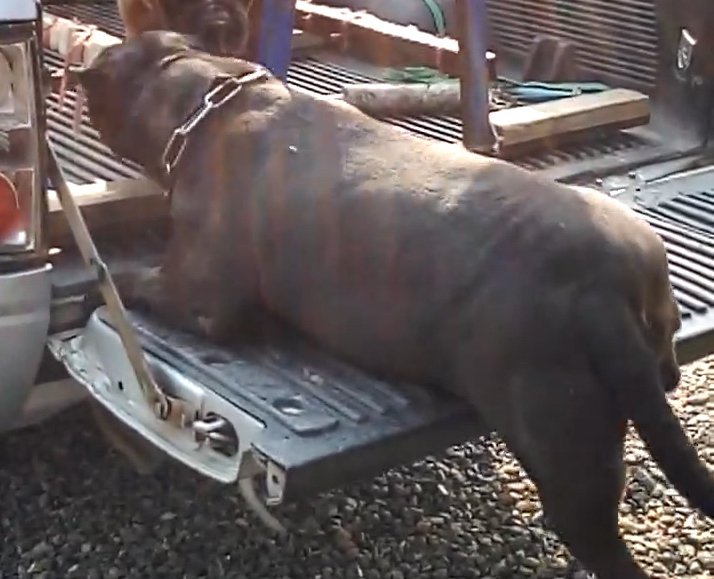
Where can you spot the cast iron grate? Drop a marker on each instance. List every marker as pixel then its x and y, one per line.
pixel 691 261
pixel 693 209
pixel 102 13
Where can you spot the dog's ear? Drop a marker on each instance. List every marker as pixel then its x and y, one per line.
pixel 91 78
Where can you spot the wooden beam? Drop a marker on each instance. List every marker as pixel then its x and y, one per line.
pixel 74 40
pixel 378 41
pixel 106 205
pixel 70 38
pixel 545 123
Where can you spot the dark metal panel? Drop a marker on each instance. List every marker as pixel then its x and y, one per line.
pixel 615 39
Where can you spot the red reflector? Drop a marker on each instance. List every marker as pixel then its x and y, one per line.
pixel 10 214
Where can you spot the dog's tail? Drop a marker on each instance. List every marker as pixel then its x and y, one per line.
pixel 626 365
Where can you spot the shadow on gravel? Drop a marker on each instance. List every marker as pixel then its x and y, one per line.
pixel 71 507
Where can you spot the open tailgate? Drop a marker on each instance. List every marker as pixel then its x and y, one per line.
pixel 307 420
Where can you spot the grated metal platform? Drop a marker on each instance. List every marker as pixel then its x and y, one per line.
pixel 693 209
pixel 685 223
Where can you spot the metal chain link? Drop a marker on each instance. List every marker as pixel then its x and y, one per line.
pixel 214 99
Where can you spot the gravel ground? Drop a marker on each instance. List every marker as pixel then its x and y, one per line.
pixel 71 507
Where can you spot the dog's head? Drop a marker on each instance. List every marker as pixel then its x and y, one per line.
pixel 124 95
pixel 222 26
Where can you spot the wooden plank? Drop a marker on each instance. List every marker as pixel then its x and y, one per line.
pixel 385 99
pixel 118 204
pixel 519 126
pixel 82 44
pixel 73 40
pixel 378 41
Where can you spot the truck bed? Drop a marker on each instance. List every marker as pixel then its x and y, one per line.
pixel 352 425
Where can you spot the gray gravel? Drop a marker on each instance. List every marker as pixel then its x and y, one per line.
pixel 71 507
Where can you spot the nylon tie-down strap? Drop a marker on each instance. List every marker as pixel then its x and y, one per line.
pixel 164 407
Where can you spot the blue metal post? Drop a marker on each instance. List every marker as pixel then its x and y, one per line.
pixel 473 30
pixel 275 35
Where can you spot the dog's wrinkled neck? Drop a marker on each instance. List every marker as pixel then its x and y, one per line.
pixel 154 113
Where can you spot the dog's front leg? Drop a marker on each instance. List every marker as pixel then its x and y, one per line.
pixel 202 289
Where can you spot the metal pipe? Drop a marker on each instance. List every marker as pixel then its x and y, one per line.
pixel 472 18
pixel 275 35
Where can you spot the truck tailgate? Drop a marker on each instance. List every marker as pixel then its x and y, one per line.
pixel 312 420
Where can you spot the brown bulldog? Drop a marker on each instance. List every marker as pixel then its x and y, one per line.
pixel 547 309
pixel 222 25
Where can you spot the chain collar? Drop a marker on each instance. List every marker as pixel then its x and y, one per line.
pixel 224 91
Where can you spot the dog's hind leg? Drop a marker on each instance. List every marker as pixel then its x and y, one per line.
pixel 570 439
pixel 580 482
pixel 583 511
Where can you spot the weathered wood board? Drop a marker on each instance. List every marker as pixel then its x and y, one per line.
pixel 80 43
pixel 110 205
pixel 514 126
pixel 538 123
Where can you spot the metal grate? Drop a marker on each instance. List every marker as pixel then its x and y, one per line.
pixel 691 260
pixel 615 38
pixel 694 209
pixel 101 13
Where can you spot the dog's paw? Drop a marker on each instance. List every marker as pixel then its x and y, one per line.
pixel 576 571
pixel 147 288
pixel 215 329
